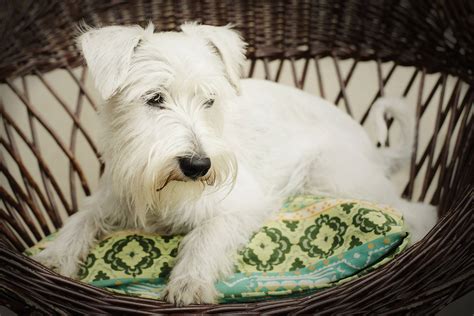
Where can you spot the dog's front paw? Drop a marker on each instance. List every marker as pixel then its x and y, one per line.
pixel 61 263
pixel 187 290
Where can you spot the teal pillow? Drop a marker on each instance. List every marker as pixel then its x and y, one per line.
pixel 312 243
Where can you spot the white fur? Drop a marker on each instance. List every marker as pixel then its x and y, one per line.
pixel 395 156
pixel 269 142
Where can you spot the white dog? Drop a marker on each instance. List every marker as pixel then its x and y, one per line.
pixel 192 149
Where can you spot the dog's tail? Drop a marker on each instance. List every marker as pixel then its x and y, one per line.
pixel 395 156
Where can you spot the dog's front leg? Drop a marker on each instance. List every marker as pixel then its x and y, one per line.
pixel 72 244
pixel 206 254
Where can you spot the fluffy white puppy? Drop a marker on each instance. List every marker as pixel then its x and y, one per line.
pixel 190 148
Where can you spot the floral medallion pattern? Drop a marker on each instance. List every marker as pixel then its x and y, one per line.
pixel 297 264
pixel 132 254
pixel 347 207
pixel 292 253
pixel 165 270
pixel 325 236
pixel 266 249
pixel 354 242
pixel 86 265
pixel 101 275
pixel 291 225
pixel 369 220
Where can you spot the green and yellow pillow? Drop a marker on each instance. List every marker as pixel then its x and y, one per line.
pixel 312 243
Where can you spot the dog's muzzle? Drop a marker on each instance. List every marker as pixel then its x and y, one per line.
pixel 194 167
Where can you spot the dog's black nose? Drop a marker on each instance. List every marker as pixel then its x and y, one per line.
pixel 194 167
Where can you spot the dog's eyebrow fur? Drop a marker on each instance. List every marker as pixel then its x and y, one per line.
pixel 207 89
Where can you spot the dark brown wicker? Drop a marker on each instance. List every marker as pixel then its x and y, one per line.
pixel 431 36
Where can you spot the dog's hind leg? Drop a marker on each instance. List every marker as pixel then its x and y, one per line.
pixel 419 217
pixel 359 180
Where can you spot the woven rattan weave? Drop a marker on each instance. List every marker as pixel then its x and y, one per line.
pixel 432 37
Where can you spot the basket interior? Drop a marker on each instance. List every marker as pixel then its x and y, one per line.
pixel 349 52
pixel 51 127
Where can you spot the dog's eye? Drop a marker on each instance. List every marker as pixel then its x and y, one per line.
pixel 156 101
pixel 209 103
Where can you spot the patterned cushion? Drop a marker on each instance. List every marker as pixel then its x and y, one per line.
pixel 312 243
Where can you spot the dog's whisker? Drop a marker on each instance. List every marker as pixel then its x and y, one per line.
pixel 168 180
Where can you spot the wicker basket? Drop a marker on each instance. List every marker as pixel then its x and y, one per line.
pixel 433 38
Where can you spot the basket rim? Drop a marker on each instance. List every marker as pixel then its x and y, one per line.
pixel 13 260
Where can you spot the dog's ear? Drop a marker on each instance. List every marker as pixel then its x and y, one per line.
pixel 228 45
pixel 108 52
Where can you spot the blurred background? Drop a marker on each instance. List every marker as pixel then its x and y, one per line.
pixel 48 94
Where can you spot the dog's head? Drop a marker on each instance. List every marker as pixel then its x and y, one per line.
pixel 166 94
